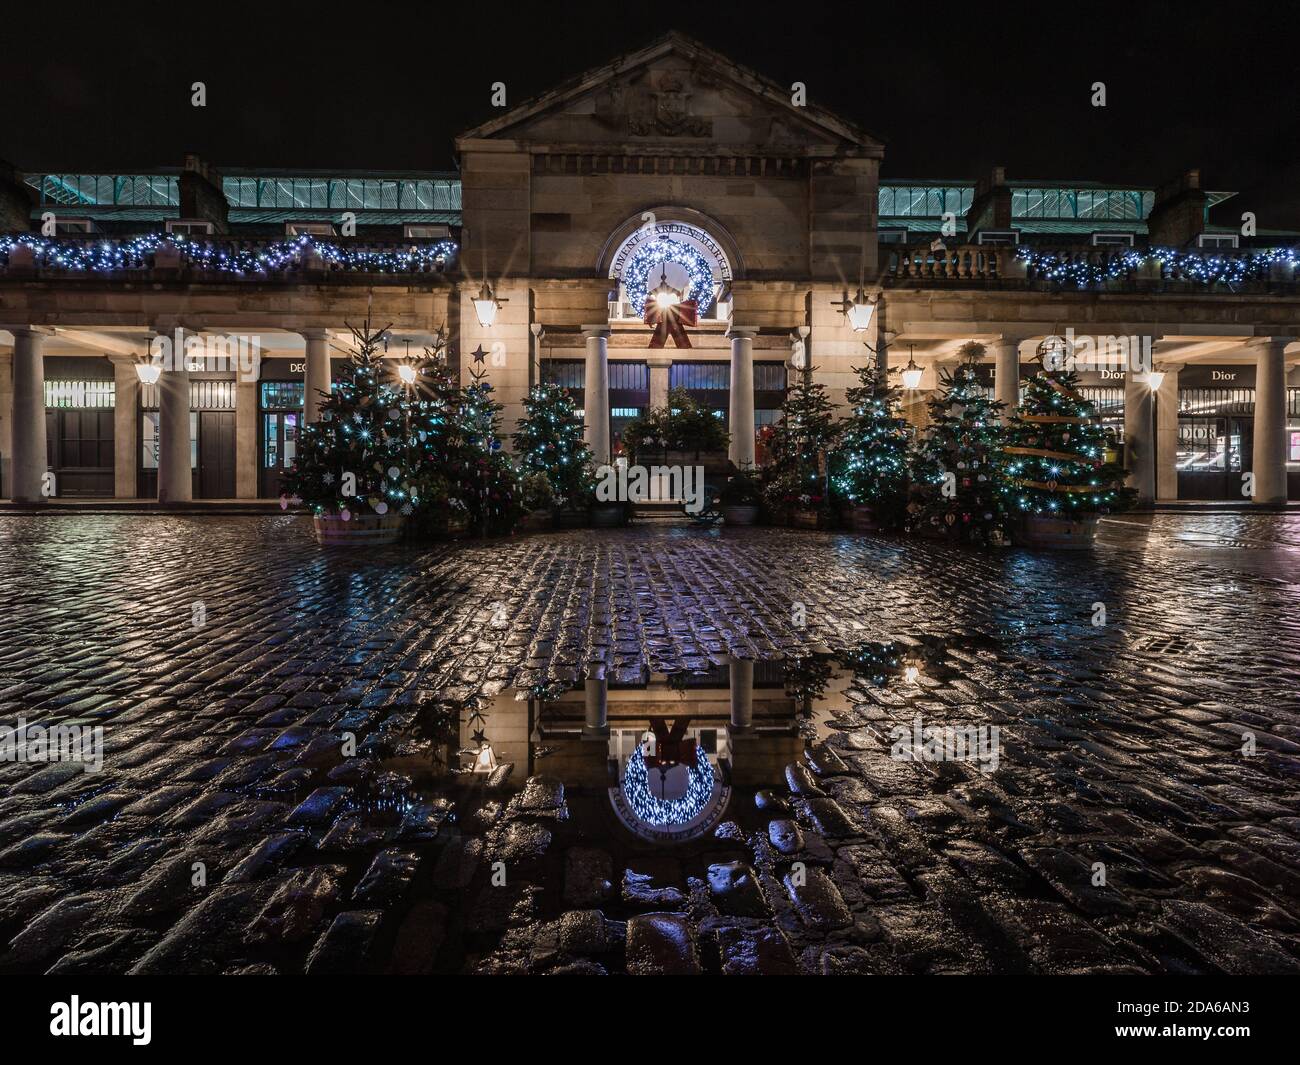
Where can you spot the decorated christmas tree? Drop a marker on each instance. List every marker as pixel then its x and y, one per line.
pixel 795 476
pixel 1056 454
pixel 549 441
pixel 489 486
pixel 958 463
pixel 359 458
pixel 870 465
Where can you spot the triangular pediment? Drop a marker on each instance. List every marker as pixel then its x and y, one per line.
pixel 675 94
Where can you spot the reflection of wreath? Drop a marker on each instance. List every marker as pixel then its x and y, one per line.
pixel 655 811
pixel 636 275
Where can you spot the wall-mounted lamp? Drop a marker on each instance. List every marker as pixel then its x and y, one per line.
pixel 486 305
pixel 857 310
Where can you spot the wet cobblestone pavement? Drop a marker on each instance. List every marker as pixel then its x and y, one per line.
pixel 228 830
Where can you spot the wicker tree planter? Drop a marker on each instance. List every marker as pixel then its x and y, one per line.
pixel 1058 533
pixel 332 530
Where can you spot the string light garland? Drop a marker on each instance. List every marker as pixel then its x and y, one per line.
pixel 636 275
pixel 1085 270
pixel 237 258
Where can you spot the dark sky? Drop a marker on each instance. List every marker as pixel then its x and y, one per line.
pixel 952 90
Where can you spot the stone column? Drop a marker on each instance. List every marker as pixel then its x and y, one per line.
pixel 247 466
pixel 741 451
pixel 1167 435
pixel 126 428
pixel 1270 420
pixel 741 671
pixel 596 387
pixel 6 422
pixel 1006 374
pixel 30 462
pixel 660 367
pixel 1139 435
pixel 175 482
pixel 316 372
pixel 596 723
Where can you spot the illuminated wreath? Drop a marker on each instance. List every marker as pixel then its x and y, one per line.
pixel 655 811
pixel 637 280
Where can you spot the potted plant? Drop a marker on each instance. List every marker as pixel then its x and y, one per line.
pixel 683 433
pixel 741 498
pixel 537 498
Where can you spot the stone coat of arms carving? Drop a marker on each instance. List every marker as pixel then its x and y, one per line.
pixel 667 112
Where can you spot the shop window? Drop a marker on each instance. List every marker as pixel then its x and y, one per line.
pixel 770 377
pixel 149 440
pixel 566 373
pixel 700 375
pixel 283 395
pixel 62 394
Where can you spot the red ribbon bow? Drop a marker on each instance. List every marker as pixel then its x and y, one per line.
pixel 670 322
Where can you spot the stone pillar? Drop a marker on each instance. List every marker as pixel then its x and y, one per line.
pixel 660 366
pixel 1006 374
pixel 1167 435
pixel 6 422
pixel 1139 435
pixel 596 387
pixel 126 428
pixel 316 372
pixel 247 466
pixel 30 462
pixel 741 451
pixel 741 672
pixel 596 724
pixel 1270 420
pixel 175 483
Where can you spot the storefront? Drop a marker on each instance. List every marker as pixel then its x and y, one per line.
pixel 629 389
pixel 79 402
pixel 280 395
pixel 212 436
pixel 1216 422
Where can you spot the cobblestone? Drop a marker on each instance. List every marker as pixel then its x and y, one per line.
pixel 1122 744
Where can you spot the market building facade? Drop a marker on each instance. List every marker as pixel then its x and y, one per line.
pixel 668 220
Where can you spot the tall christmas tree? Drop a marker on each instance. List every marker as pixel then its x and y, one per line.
pixel 549 441
pixel 870 465
pixel 1056 453
pixel 958 463
pixel 798 448
pixel 490 489
pixel 359 457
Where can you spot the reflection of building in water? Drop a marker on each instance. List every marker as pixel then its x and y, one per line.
pixel 738 716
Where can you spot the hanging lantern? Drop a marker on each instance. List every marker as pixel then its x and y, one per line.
pixel 912 373
pixel 857 310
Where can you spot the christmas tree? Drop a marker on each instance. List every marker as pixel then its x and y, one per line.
pixel 489 487
pixel 1056 453
pixel 795 476
pixel 958 463
pixel 870 464
pixel 358 458
pixel 549 441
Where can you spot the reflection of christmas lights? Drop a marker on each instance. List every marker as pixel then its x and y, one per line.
pixel 655 811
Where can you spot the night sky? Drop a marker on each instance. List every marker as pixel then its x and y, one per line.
pixel 952 90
